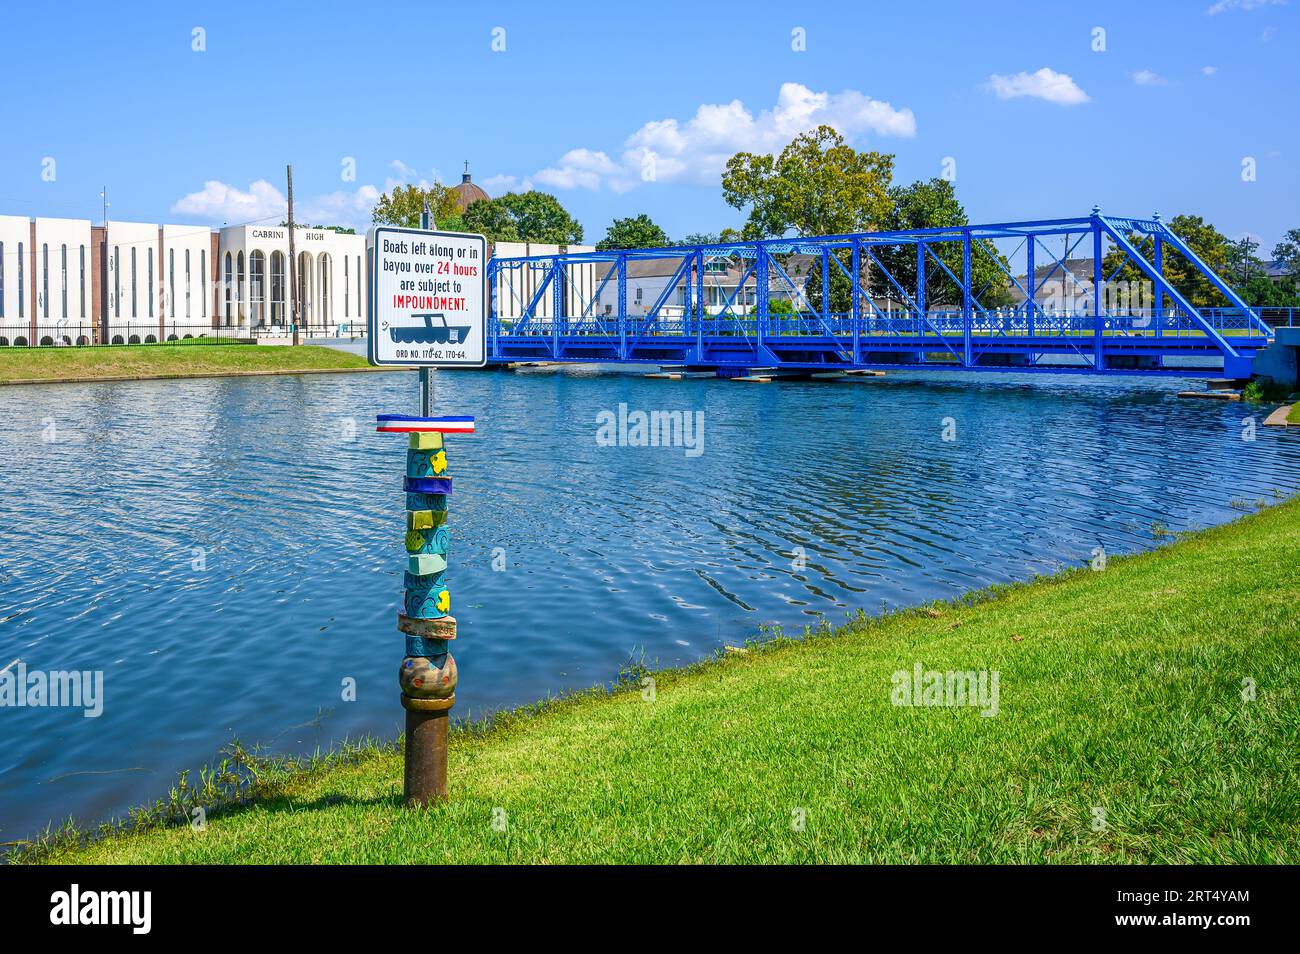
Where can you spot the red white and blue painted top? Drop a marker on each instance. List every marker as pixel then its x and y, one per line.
pixel 406 424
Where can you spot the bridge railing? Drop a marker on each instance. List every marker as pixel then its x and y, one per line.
pixel 898 323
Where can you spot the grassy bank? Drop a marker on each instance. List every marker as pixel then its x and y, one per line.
pixel 166 360
pixel 1124 733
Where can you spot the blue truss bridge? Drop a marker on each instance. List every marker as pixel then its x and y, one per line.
pixel 1040 296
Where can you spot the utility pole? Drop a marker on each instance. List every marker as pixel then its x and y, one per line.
pixel 293 265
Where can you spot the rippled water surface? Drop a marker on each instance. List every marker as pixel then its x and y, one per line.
pixel 229 551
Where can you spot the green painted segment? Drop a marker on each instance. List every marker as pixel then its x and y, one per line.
pixel 429 440
pixel 425 519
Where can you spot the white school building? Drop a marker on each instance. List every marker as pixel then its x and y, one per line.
pixel 66 281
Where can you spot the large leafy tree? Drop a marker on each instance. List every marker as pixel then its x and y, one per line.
pixel 523 217
pixel 1287 254
pixel 639 232
pixel 491 219
pixel 932 204
pixel 1209 244
pixel 818 185
pixel 404 204
pixel 1262 291
pixel 1242 260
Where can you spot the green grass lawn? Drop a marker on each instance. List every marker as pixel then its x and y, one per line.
pixel 1125 732
pixel 1293 415
pixel 166 360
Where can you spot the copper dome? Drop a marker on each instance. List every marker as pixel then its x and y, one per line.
pixel 467 191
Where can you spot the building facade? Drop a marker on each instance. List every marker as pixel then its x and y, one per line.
pixel 255 276
pixel 66 281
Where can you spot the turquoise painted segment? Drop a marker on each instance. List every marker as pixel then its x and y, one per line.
pixel 428 604
pixel 426 463
pixel 428 541
pixel 426 596
pixel 426 501
pixel 420 646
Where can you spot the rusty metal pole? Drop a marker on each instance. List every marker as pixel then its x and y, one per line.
pixel 428 673
pixel 425 777
pixel 425 774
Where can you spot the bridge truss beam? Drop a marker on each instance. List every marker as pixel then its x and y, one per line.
pixel 970 297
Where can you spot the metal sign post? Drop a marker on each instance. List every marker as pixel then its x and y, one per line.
pixel 427 295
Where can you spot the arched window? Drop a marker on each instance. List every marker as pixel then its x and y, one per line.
pixel 117 281
pixel 83 281
pixel 45 280
pixel 63 277
pixel 21 269
pixel 305 296
pixel 360 307
pixel 239 283
pixel 148 260
pixel 277 288
pixel 323 312
pixel 230 277
pixel 135 309
pixel 257 287
pixel 203 282
pixel 187 283
pixel 347 287
pixel 169 307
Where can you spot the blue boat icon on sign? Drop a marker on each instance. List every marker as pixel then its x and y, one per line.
pixel 428 333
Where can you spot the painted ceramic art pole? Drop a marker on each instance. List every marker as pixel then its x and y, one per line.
pixel 428 671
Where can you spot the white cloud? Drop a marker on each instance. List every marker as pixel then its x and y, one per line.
pixel 221 203
pixel 696 149
pixel 1209 70
pixel 339 208
pixel 218 201
pixel 1044 84
pixel 1223 6
pixel 1149 78
pixel 499 185
pixel 578 168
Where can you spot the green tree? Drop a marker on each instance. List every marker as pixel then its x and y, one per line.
pixel 932 204
pixel 1242 261
pixel 818 185
pixel 1261 291
pixel 402 207
pixel 1287 254
pixel 491 219
pixel 700 238
pixel 523 217
pixel 640 232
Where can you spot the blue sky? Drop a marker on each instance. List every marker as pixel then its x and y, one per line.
pixel 1038 122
